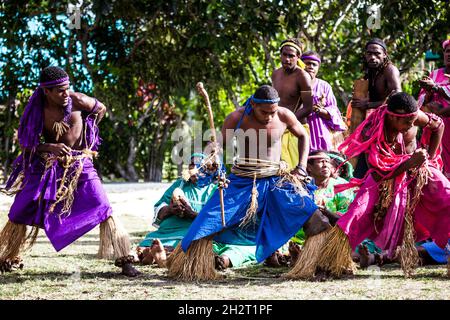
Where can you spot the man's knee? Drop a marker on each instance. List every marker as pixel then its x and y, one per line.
pixel 316 224
pixel 332 216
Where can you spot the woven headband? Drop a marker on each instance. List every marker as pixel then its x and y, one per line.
pixel 314 58
pixel 318 157
pixel 54 82
pixel 402 115
pixel 291 44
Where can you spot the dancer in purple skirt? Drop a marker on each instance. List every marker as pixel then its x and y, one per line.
pixel 55 184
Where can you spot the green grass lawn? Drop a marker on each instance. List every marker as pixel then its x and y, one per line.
pixel 76 273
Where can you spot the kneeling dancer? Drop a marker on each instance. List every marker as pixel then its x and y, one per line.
pixel 265 205
pixel 403 199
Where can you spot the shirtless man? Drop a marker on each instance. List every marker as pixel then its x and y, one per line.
pixel 58 135
pixel 384 79
pixel 264 204
pixel 292 82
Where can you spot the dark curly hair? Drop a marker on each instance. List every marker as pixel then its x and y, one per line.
pixel 402 102
pixel 266 92
pixel 52 74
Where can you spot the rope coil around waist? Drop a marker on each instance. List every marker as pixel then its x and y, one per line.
pixel 73 165
pixel 257 168
pixel 68 160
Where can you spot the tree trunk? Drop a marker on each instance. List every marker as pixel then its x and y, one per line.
pixel 233 98
pixel 131 171
pixel 155 161
pixel 155 166
pixel 121 171
pixel 156 155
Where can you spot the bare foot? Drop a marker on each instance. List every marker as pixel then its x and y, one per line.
pixel 159 253
pixel 321 276
pixel 126 263
pixel 169 249
pixel 294 251
pixel 364 256
pixel 283 260
pixel 140 253
pixel 355 257
pixel 147 257
pixel 221 262
pixel 129 271
pixel 11 265
pixel 272 261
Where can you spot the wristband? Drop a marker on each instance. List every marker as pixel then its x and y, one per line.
pixel 96 107
pixel 300 168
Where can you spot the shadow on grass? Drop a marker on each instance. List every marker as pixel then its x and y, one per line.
pixel 20 277
pixel 61 256
pixel 232 278
pixel 261 275
pixel 140 234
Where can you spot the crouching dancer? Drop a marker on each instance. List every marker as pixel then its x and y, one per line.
pixel 56 185
pixel 264 204
pixel 403 199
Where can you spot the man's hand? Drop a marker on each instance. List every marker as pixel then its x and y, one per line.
pixel 360 103
pixel 187 210
pixel 223 182
pixel 427 83
pixel 332 216
pixel 101 111
pixel 176 208
pixel 301 174
pixel 59 149
pixel 296 172
pixel 418 158
pixel 193 178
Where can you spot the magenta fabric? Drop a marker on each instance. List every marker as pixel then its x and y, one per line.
pixel 439 78
pixel 432 218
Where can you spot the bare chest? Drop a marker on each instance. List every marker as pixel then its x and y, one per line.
pixel 70 132
pixel 263 136
pixel 288 91
pixel 378 88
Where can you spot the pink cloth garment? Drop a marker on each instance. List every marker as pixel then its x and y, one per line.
pixel 439 78
pixel 358 223
pixel 432 214
pixel 320 135
pixel 369 138
pixel 431 217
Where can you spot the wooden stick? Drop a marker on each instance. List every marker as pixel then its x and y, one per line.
pixel 201 90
